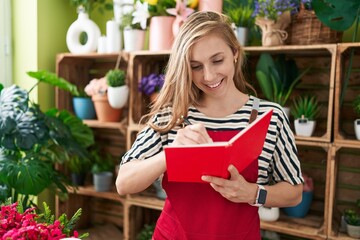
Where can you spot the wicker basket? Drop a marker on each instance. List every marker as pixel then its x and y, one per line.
pixel 305 28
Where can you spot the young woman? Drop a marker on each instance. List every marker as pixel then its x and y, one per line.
pixel 204 82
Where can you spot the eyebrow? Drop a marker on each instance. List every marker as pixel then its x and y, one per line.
pixel 211 57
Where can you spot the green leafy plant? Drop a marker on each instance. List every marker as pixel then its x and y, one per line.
pixel 277 78
pixel 352 217
pixel 356 105
pixel 240 14
pixel 101 162
pixel 91 5
pixel 147 232
pixel 54 80
pixel 33 141
pixel 305 107
pixel 115 78
pixel 158 8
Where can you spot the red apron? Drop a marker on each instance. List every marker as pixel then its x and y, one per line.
pixel 195 211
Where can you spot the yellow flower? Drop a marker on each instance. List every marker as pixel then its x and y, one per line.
pixel 151 2
pixel 192 3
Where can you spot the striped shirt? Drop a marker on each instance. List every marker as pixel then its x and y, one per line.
pixel 277 162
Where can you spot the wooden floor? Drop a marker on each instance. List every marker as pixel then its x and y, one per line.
pixel 103 232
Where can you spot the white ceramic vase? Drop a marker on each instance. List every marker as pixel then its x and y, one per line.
pixel 133 39
pixel 304 129
pixel 242 34
pixel 357 128
pixel 269 214
pixel 118 96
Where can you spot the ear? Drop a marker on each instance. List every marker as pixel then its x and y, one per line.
pixel 236 53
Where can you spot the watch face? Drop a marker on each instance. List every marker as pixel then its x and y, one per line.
pixel 262 196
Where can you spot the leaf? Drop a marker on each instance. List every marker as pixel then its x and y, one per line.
pixel 337 15
pixel 265 85
pixel 53 79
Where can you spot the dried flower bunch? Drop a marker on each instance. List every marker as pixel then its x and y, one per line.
pixel 151 83
pixel 272 9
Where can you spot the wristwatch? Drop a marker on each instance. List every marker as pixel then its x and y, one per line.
pixel 260 196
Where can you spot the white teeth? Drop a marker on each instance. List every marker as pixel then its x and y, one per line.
pixel 214 85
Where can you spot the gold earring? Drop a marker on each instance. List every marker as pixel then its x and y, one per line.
pixel 235 60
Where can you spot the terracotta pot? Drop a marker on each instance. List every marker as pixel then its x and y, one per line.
pixel 104 112
pixel 161 35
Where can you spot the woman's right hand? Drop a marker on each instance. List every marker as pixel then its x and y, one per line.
pixel 191 135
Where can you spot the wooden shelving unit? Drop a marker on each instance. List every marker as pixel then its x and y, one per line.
pixel 322 156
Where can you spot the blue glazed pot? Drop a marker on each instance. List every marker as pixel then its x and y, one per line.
pixel 84 108
pixel 302 208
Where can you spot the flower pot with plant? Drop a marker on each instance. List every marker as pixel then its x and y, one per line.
pixel 305 110
pixel 103 171
pixel 118 91
pixel 242 17
pixel 302 209
pixel 33 141
pixel 82 104
pixel 151 85
pixel 133 25
pixel 97 89
pixel 277 78
pixel 273 18
pixel 352 219
pixel 356 106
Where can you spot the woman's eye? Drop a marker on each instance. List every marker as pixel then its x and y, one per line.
pixel 218 61
pixel 196 67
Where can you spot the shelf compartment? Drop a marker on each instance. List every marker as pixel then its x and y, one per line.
pixel 344 132
pixel 345 185
pixel 319 81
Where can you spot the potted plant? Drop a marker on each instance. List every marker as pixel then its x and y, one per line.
pixel 352 219
pixel 97 89
pixel 356 106
pixel 277 78
pixel 103 170
pixel 305 110
pixel 32 142
pixel 133 24
pixel 273 18
pixel 118 91
pixel 79 166
pixel 147 232
pixel 302 209
pixel 18 223
pixel 242 17
pixel 82 104
pixel 151 85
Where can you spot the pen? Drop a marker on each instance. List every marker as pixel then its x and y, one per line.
pixel 186 121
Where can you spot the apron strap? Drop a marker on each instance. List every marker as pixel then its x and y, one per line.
pixel 254 110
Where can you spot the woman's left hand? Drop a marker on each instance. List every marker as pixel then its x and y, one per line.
pixel 236 189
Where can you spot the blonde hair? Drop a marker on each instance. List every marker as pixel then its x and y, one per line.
pixel 178 91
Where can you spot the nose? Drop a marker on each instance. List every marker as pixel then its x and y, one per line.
pixel 209 73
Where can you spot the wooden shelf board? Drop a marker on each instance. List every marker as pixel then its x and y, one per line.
pixel 308 227
pixel 350 143
pixel 145 201
pixel 90 191
pixel 98 124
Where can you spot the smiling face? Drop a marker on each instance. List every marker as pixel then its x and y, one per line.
pixel 212 66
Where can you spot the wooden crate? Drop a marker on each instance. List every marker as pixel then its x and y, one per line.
pixel 315 163
pixel 142 64
pixel 345 185
pixel 344 113
pixel 81 69
pixel 319 81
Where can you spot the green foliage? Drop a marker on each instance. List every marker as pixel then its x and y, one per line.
pixel 307 106
pixel 159 9
pixel 102 162
pixel 241 15
pixel 115 78
pixel 337 15
pixel 147 232
pixel 352 217
pixel 1 87
pixel 32 142
pixel 91 5
pixel 277 78
pixel 356 105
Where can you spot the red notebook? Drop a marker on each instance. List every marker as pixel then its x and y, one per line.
pixel 187 163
